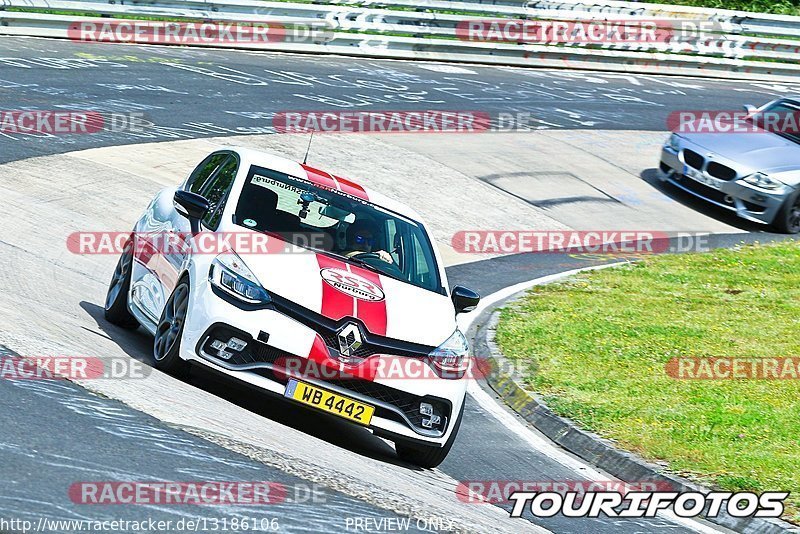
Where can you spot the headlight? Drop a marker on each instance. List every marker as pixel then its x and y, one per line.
pixel 451 358
pixel 674 142
pixel 759 179
pixel 230 274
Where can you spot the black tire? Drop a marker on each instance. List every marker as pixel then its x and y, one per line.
pixel 787 221
pixel 116 307
pixel 169 332
pixel 428 456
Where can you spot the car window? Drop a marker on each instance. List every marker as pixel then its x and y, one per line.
pixel 422 259
pixel 780 118
pixel 202 172
pixel 299 211
pixel 393 242
pixel 216 191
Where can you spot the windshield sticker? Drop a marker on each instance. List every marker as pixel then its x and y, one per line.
pixel 269 183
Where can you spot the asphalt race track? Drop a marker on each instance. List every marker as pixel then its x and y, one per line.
pixel 189 93
pixel 58 433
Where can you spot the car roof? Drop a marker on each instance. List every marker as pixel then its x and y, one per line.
pixel 278 163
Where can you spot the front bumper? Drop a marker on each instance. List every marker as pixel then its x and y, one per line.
pixel 273 337
pixel 748 202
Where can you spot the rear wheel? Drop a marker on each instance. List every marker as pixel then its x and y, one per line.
pixel 787 220
pixel 167 343
pixel 116 306
pixel 428 456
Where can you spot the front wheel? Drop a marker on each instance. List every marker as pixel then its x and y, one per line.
pixel 429 456
pixel 167 343
pixel 787 220
pixel 116 307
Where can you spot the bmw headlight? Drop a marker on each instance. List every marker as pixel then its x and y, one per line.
pixel 451 358
pixel 759 179
pixel 674 142
pixel 230 274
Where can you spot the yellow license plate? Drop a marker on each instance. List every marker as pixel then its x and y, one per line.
pixel 329 401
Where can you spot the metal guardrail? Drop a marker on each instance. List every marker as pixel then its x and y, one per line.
pixel 747 22
pixel 428 30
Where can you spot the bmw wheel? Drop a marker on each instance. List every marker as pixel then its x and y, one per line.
pixel 788 218
pixel 116 307
pixel 167 343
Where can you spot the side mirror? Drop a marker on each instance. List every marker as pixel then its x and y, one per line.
pixel 192 206
pixel 750 109
pixel 464 299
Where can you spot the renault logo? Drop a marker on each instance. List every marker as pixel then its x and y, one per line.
pixel 350 339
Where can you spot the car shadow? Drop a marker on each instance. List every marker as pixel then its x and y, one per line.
pixel 690 201
pixel 138 344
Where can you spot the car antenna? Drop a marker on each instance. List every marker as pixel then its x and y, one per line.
pixel 305 158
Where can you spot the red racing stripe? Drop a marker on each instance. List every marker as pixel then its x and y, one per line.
pixel 319 352
pixel 351 188
pixel 335 304
pixel 372 314
pixel 320 178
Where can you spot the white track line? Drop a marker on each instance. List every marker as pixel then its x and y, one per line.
pixel 512 423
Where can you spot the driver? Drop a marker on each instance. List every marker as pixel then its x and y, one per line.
pixel 361 240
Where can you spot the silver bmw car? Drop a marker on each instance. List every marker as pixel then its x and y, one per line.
pixel 748 163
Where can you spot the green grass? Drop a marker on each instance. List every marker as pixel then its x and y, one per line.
pixel 779 7
pixel 595 348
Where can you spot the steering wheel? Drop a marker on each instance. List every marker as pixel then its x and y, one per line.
pixel 374 259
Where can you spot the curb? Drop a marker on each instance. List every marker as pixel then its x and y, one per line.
pixel 590 447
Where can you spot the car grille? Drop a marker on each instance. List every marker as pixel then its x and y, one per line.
pixel 714 168
pixel 327 329
pixel 693 159
pixel 718 170
pixel 366 350
pixel 406 402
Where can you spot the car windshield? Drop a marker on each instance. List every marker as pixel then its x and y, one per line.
pixel 338 224
pixel 782 118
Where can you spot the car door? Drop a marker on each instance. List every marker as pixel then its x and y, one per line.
pixel 149 287
pixel 215 188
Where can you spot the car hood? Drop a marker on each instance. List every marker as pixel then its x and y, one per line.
pixel 337 289
pixel 759 151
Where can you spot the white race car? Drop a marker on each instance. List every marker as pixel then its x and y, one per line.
pixel 305 285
